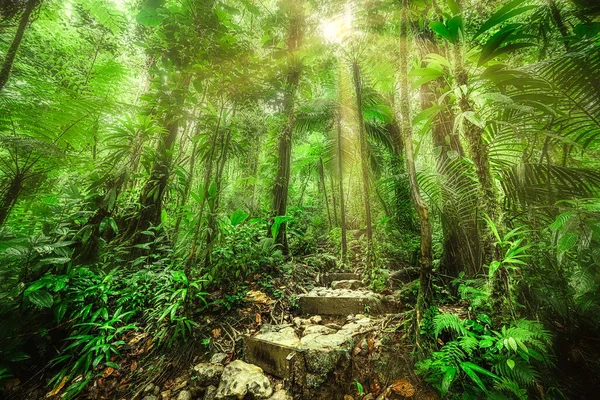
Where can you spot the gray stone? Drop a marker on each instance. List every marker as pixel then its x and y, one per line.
pixel 239 379
pixel 184 395
pixel 339 276
pixel 340 302
pixel 273 357
pixel 205 374
pixel 210 393
pixel 286 336
pixel 347 284
pixel 219 358
pixel 318 329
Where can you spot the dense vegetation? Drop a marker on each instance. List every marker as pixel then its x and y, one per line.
pixel 159 158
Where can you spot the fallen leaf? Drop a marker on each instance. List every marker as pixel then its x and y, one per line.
pixel 108 371
pixel 403 388
pixel 371 343
pixel 348 397
pixel 58 388
pixel 133 366
pixel 258 297
pixel 440 342
pixel 375 386
pixel 358 347
pixel 258 319
pixel 216 333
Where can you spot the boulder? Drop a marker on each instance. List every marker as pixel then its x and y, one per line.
pixel 239 379
pixel 205 374
pixel 184 395
pixel 219 358
pixel 210 393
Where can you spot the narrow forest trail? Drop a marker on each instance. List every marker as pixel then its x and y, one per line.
pixel 342 344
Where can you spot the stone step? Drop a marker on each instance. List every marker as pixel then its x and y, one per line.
pixel 330 277
pixel 324 301
pixel 350 284
pixel 306 356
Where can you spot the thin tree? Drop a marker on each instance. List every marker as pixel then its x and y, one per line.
pixel 294 70
pixel 9 59
pixel 420 204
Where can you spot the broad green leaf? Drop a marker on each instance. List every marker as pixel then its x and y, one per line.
pixel 41 298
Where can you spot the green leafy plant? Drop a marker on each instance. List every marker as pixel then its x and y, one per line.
pixel 485 362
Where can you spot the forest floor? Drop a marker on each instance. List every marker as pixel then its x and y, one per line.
pixel 326 337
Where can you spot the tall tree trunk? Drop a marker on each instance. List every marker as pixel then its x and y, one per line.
pixel 364 155
pixel 9 59
pixel 282 179
pixel 479 153
pixel 420 205
pixel 460 242
pixel 10 196
pixel 341 174
pixel 153 192
pixel 333 200
pixel 324 187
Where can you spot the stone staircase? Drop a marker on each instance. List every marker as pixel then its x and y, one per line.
pixel 314 357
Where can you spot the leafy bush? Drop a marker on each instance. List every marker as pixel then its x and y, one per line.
pixel 479 362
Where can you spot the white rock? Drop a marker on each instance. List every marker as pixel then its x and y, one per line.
pixel 240 378
pixel 184 395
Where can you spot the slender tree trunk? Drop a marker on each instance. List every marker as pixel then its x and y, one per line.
pixel 10 197
pixel 153 192
pixel 479 153
pixel 342 201
pixel 559 22
pixel 333 200
pixel 9 59
pixel 206 183
pixel 364 161
pixel 324 187
pixel 420 205
pixel 282 179
pixel 212 218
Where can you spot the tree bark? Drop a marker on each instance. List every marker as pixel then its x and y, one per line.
pixel 420 205
pixel 153 192
pixel 364 155
pixel 9 59
pixel 10 197
pixel 342 201
pixel 322 180
pixel 282 179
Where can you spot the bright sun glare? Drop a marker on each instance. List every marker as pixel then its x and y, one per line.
pixel 339 28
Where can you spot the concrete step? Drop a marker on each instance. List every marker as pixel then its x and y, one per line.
pixel 330 277
pixel 324 301
pixel 351 284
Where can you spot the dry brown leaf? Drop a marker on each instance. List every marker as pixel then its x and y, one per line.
pixel 358 347
pixel 258 297
pixel 137 338
pixel 216 333
pixel 348 397
pixel 58 388
pixel 108 371
pixel 440 342
pixel 133 366
pixel 258 319
pixel 375 386
pixel 403 388
pixel 371 343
